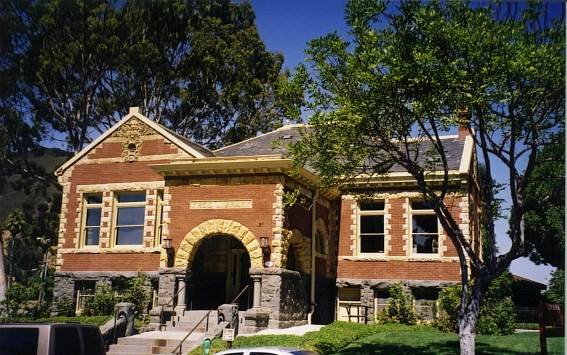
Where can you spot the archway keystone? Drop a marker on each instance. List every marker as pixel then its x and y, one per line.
pixel 188 247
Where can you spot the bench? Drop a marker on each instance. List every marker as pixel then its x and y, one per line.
pixel 551 323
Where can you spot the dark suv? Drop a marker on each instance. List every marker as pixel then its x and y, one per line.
pixel 50 339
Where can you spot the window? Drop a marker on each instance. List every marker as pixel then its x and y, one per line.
pixel 129 218
pixel 91 225
pixel 371 227
pixel 425 231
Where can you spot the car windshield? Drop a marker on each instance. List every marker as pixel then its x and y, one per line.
pixel 18 341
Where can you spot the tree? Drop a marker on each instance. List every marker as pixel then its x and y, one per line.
pixel 556 291
pixel 198 67
pixel 545 206
pixel 416 70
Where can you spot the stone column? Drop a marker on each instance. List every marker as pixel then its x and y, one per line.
pixel 180 308
pixel 367 299
pixel 257 279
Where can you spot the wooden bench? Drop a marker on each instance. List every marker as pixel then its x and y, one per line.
pixel 551 323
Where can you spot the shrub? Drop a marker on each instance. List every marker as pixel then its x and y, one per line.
pixel 65 307
pixel 449 301
pixel 137 291
pixel 497 311
pixel 102 303
pixel 556 291
pixel 20 300
pixel 400 306
pixel 336 336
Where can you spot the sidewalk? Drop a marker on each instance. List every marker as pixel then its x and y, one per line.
pixel 299 330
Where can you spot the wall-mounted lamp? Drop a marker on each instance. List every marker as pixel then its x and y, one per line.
pixel 167 244
pixel 265 245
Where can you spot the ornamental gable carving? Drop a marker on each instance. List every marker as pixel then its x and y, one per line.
pixel 132 132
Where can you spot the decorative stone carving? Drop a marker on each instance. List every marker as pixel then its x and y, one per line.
pixel 189 245
pixel 132 131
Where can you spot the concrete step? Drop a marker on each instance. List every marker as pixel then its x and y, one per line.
pixel 139 346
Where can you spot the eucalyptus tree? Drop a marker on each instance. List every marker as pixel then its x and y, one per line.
pixel 416 70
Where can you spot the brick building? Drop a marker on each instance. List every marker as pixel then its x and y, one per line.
pixel 141 198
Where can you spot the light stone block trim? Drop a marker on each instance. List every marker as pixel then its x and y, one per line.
pixel 63 223
pixel 165 224
pixel 189 245
pixel 407 228
pixel 129 186
pixel 278 253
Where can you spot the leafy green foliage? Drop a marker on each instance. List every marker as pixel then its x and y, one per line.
pixel 556 290
pixel 400 305
pixel 20 300
pixel 102 303
pixel 545 202
pixel 411 72
pixel 498 313
pixel 65 307
pixel 138 292
pixel 449 301
pixel 198 67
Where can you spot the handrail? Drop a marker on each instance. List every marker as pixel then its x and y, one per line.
pixel 240 293
pixel 180 345
pixel 167 304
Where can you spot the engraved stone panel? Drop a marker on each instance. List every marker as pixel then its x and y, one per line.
pixel 222 204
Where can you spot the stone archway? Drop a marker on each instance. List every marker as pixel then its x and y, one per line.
pixel 189 245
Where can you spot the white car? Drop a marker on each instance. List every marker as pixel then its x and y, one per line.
pixel 266 351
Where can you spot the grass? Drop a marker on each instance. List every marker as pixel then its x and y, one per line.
pixel 350 339
pixel 95 320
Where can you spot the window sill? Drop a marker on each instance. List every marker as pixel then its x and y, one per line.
pixel 115 250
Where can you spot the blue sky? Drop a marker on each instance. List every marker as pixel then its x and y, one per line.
pixel 287 26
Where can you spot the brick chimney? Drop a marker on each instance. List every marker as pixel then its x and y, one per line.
pixel 463 121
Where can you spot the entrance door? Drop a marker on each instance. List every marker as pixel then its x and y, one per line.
pixel 234 274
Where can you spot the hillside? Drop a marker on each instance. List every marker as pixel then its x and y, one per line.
pixel 10 198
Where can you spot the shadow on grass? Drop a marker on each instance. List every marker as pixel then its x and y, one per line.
pixel 441 347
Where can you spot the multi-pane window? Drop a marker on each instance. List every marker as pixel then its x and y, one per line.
pixel 371 227
pixel 91 225
pixel 129 218
pixel 425 230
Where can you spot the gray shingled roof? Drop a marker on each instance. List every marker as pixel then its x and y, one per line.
pixel 275 142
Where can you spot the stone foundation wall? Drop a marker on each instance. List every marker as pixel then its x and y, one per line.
pixel 64 282
pixel 284 295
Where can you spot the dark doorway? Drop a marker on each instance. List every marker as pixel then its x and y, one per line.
pixel 219 272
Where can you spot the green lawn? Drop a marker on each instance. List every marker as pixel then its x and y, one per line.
pixel 435 342
pixel 350 339
pixel 94 320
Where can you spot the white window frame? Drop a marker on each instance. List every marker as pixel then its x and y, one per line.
pixel 116 206
pixel 86 207
pixel 423 212
pixel 362 213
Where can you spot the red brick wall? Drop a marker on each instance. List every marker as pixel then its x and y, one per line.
pixel 110 262
pixel 107 173
pixel 397 225
pixel 257 219
pixel 399 270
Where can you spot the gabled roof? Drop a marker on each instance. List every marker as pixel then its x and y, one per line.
pixel 458 152
pixel 181 142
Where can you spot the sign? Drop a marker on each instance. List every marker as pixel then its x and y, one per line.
pixel 228 334
pixel 220 205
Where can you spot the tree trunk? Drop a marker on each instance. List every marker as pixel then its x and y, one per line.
pixel 468 321
pixel 2 271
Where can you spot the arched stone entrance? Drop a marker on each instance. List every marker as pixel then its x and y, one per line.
pixel 218 253
pixel 219 271
pixel 188 247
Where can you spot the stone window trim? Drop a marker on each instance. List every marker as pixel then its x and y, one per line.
pixel 423 212
pixel 377 212
pixel 116 206
pixel 87 205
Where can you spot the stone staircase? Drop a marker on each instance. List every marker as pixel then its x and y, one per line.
pixel 165 341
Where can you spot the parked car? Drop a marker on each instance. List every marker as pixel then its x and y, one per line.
pixel 50 339
pixel 266 351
